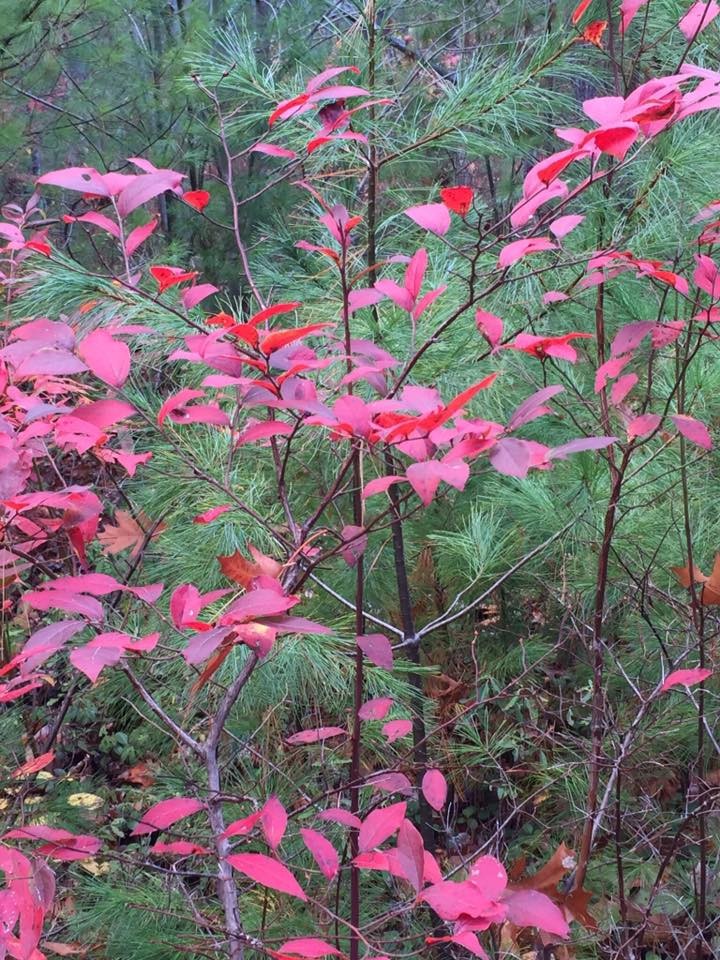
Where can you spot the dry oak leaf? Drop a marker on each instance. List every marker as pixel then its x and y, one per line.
pixel 130 533
pixel 243 571
pixel 139 774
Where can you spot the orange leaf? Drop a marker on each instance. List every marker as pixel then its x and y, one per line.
pixel 594 31
pixel 682 575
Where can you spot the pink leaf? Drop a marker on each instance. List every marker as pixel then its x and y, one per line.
pixel 166 813
pixel 434 217
pixel 699 16
pixel 693 430
pixel 580 445
pixel 563 225
pixel 377 649
pixel 338 815
pixel 263 430
pixel 139 235
pixel 554 296
pixel 643 425
pixel 629 336
pixel 622 387
pixel 629 9
pixel 707 276
pixel 91 659
pixel 512 252
pixel 144 187
pixel 83 179
pixel 364 297
pixel 511 457
pixel 375 709
pixel 533 407
pixel 273 150
pixel 101 221
pixel 274 822
pixel 315 736
pixel 380 824
pixel 425 477
pixel 355 542
pixel 323 852
pixel 411 855
pixel 490 326
pixel 395 729
pixel 267 872
pixel 309 947
pixel 685 678
pixel 60 845
pixel 379 485
pixel 107 358
pixel 530 908
pixel 47 641
pixel 192 296
pixel 434 788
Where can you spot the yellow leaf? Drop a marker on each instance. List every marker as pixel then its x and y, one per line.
pixel 88 801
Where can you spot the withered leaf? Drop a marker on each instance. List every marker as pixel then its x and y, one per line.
pixel 129 533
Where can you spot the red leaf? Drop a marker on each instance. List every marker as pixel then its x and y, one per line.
pixel 434 788
pixel 212 514
pixel 181 848
pixel 241 828
pixel 273 820
pixel 458 199
pixel 323 852
pixel 166 813
pixel 198 199
pixel 380 824
pixel 267 872
pixel 32 766
pixel 685 678
pixel 281 338
pixel 377 649
pixel 579 11
pixel 314 736
pixel 594 31
pixel 166 277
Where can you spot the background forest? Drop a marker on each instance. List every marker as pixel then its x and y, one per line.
pixel 534 618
